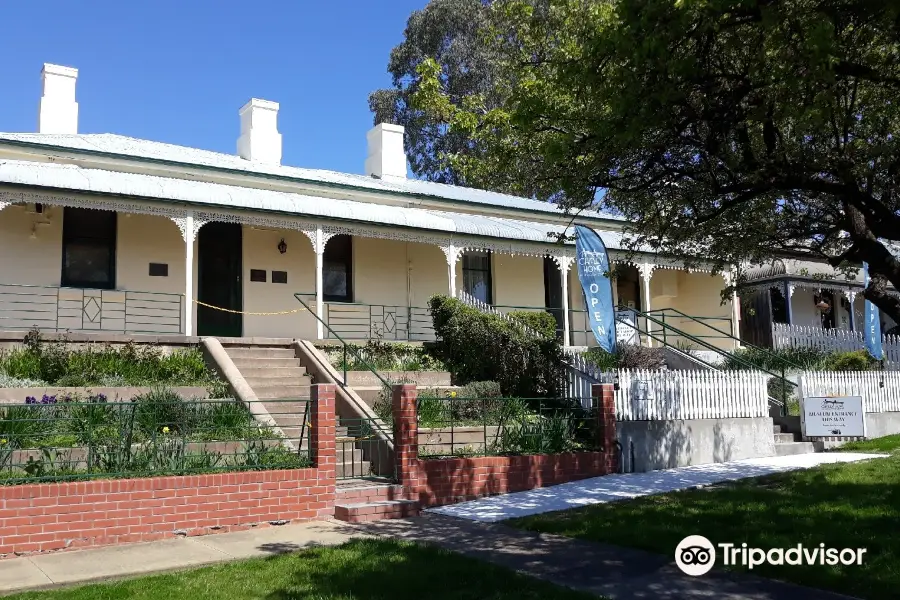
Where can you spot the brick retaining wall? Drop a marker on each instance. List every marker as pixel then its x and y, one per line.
pixel 446 481
pixel 54 516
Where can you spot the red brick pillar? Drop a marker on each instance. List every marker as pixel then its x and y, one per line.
pixel 406 438
pixel 605 400
pixel 322 444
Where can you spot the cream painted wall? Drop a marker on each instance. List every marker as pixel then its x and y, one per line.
pixel 145 239
pixel 699 295
pixel 380 271
pixel 28 261
pixel 261 252
pixel 428 274
pixel 518 280
pixel 804 311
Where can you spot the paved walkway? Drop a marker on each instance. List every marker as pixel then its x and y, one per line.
pixel 632 485
pixel 113 562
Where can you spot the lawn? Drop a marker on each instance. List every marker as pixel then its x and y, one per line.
pixel 361 570
pixel 854 505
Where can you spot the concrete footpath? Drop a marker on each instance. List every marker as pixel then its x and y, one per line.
pixel 610 571
pixel 115 562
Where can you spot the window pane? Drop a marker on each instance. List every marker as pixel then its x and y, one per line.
pixel 478 284
pixel 87 263
pixel 480 261
pixel 335 280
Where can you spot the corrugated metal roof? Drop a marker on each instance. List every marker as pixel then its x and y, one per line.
pixel 802 269
pixel 146 149
pixel 214 195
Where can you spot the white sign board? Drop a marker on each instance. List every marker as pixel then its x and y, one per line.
pixel 830 417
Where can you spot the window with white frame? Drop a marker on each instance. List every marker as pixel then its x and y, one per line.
pixel 337 269
pixel 89 249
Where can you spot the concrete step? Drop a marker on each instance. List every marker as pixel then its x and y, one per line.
pixel 777 429
pixel 359 512
pixel 370 393
pixel 276 372
pixel 366 491
pixel 360 468
pixel 260 352
pixel 784 438
pixel 282 392
pixel 791 448
pixel 259 363
pixel 257 383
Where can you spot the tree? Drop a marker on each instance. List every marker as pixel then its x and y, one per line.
pixel 733 130
pixel 449 33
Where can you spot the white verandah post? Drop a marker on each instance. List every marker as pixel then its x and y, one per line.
pixel 189 273
pixel 646 272
pixel 320 251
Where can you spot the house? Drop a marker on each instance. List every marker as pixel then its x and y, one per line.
pixel 798 301
pixel 101 232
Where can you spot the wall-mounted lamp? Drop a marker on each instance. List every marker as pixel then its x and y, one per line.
pixel 282 247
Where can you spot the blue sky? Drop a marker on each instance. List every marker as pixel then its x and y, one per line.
pixel 178 71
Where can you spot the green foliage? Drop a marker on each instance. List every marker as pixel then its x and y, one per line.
pixel 62 364
pixel 627 356
pixel 541 322
pixel 156 433
pixel 731 131
pixel 483 347
pixel 857 360
pixel 383 356
pixel 447 31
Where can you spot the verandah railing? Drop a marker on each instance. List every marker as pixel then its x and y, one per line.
pixel 24 307
pixel 68 438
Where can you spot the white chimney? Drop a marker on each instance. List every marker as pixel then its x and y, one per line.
pixel 260 140
pixel 386 156
pixel 58 111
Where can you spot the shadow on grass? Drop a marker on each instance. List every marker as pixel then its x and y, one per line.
pixel 388 570
pixel 841 506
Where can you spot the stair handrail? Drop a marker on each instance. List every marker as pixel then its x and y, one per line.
pixel 727 335
pixel 708 346
pixel 345 345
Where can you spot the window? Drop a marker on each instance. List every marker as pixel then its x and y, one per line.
pixel 476 268
pixel 337 272
pixel 89 248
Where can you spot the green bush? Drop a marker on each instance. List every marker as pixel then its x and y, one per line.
pixel 790 359
pixel 856 360
pixel 58 363
pixel 477 346
pixel 539 321
pixel 382 356
pixel 627 356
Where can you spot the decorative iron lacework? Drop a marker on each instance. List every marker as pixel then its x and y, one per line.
pixel 98 203
pixel 451 245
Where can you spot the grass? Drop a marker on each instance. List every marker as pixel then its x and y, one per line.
pixel 358 570
pixel 852 505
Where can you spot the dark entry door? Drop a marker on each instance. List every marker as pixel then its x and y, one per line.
pixel 219 279
pixel 553 292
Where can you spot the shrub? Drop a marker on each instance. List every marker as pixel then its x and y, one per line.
pixel 774 361
pixel 627 356
pixel 541 322
pixel 480 389
pixel 477 346
pixel 856 360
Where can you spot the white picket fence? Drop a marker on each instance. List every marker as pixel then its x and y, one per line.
pixel 581 375
pixel 832 340
pixel 669 395
pixel 867 384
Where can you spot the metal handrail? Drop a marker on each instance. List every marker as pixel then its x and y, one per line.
pixel 725 334
pixel 713 348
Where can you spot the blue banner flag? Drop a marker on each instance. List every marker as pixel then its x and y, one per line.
pixel 873 324
pixel 593 271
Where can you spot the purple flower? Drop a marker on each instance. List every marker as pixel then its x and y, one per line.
pixel 48 399
pixel 30 400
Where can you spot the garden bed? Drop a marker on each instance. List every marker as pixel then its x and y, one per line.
pixel 65 437
pixel 54 364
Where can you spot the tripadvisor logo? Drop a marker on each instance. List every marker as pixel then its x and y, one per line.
pixel 695 555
